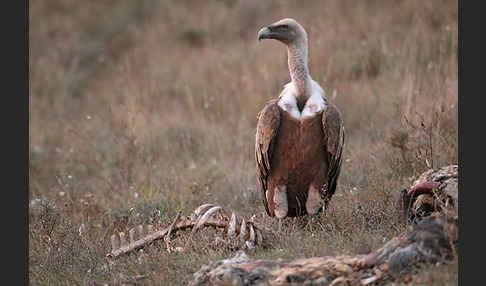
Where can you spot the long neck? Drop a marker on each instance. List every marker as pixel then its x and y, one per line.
pixel 299 71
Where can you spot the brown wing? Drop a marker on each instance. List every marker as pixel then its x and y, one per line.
pixel 266 133
pixel 332 125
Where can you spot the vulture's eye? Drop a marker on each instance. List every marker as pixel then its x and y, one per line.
pixel 284 27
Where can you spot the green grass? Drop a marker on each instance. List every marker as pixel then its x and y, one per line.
pixel 148 107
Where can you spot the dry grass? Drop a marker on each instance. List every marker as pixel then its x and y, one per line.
pixel 139 106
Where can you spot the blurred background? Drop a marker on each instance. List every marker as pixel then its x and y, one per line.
pixel 151 105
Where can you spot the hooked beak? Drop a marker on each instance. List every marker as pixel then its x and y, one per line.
pixel 265 33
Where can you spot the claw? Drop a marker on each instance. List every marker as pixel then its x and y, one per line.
pixel 206 216
pixel 232 225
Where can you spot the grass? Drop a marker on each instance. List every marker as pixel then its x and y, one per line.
pixel 151 106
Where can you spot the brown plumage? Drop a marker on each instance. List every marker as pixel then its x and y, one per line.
pixel 300 136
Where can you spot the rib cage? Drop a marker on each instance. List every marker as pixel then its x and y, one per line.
pixel 236 229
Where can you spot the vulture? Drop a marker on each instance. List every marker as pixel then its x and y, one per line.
pixel 299 137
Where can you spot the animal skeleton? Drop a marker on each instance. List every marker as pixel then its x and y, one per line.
pixel 236 228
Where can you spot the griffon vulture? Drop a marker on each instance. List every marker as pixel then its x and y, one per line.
pixel 299 137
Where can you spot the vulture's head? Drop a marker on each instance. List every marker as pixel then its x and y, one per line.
pixel 287 31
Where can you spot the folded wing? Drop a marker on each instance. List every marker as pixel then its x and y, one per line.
pixel 332 125
pixel 266 134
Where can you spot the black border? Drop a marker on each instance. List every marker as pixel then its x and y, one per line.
pixel 15 135
pixel 471 128
pixel 24 53
pixel 27 90
pixel 15 141
pixel 460 142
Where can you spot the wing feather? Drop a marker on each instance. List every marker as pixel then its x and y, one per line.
pixel 334 134
pixel 266 133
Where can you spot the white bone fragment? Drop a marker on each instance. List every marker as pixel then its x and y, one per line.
pixel 206 216
pixel 243 230
pixel 232 225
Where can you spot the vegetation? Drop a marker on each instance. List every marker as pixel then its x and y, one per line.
pixel 141 109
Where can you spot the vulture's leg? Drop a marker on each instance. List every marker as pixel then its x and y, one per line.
pixel 313 205
pixel 281 204
pixel 314 201
pixel 280 201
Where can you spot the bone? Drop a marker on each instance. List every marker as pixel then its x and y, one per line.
pixel 201 209
pixel 252 234
pixel 123 241
pixel 174 223
pixel 243 230
pixel 259 237
pixel 142 235
pixel 206 216
pixel 131 234
pixel 114 242
pixel 369 280
pixel 140 230
pixel 249 244
pixel 232 225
